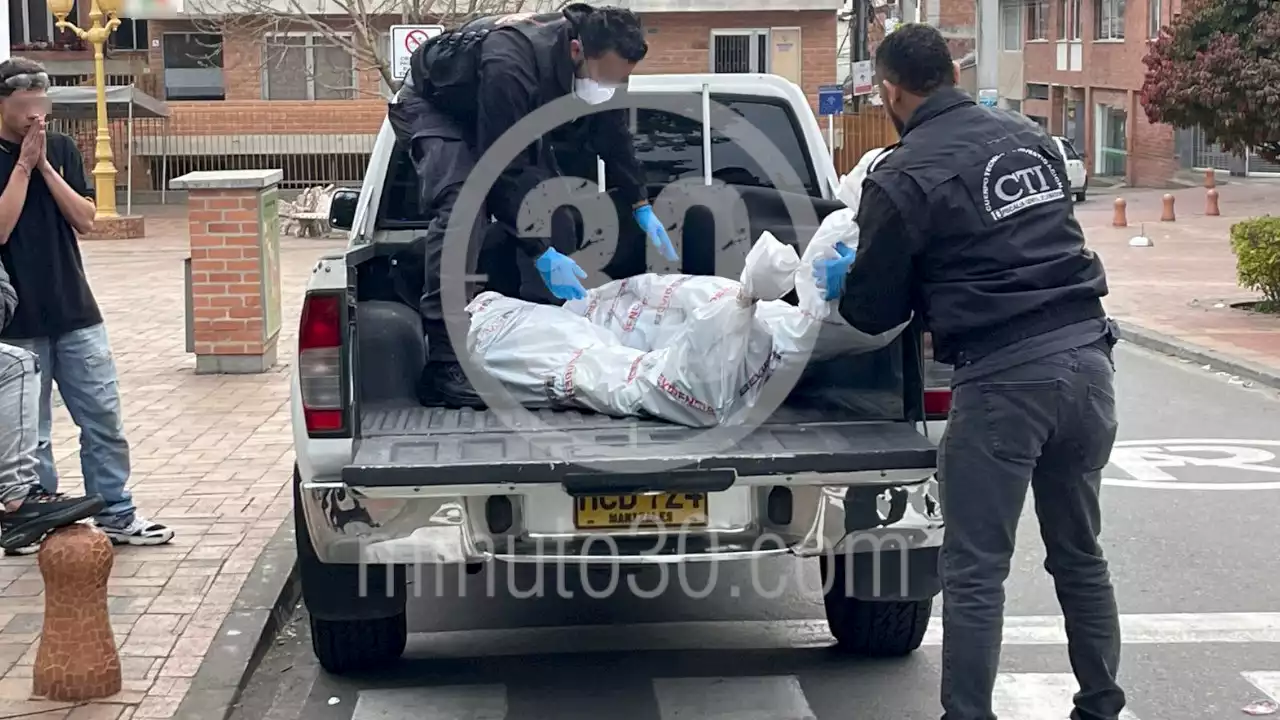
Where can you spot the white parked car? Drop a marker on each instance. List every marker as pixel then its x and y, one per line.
pixel 1076 172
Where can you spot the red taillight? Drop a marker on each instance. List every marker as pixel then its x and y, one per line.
pixel 937 403
pixel 321 325
pixel 320 363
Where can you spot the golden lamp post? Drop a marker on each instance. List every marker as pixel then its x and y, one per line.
pixel 102 22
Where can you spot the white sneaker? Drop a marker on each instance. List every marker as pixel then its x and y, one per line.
pixel 139 532
pixel 31 549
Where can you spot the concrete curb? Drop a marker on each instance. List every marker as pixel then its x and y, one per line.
pixel 263 606
pixel 1176 347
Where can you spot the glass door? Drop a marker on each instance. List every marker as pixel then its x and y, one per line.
pixel 1112 141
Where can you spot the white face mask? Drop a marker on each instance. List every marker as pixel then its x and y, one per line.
pixel 592 92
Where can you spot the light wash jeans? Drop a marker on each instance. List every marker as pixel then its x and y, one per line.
pixel 80 362
pixel 19 393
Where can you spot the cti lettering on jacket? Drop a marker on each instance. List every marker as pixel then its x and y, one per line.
pixel 1019 179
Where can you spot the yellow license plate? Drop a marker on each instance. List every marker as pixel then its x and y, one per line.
pixel 669 510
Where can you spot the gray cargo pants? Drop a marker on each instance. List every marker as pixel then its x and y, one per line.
pixel 1048 424
pixel 19 422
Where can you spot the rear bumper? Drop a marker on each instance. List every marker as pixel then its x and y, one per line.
pixel 895 511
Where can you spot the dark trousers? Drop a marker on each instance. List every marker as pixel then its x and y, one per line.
pixel 442 166
pixel 1048 424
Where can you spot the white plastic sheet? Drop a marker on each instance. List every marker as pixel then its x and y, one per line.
pixel 694 350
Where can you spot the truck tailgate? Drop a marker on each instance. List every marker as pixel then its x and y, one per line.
pixel 420 446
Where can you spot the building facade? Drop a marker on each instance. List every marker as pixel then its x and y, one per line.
pixel 242 90
pixel 1076 67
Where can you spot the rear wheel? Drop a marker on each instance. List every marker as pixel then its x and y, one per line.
pixel 354 646
pixel 873 628
pixel 352 630
pixel 1080 196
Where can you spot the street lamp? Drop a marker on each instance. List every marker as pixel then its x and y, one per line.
pixel 102 22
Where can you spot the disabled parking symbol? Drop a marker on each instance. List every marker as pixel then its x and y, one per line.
pixel 1196 464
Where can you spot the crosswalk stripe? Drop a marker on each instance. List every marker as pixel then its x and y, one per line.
pixel 1037 696
pixel 455 702
pixel 1267 682
pixel 1173 628
pixel 770 697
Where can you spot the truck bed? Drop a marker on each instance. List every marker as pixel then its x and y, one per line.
pixel 404 444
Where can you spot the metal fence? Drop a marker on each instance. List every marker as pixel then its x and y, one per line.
pixel 868 129
pixel 152 155
pixel 149 153
pixel 1205 155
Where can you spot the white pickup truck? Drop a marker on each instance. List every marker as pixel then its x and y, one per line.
pixel 383 483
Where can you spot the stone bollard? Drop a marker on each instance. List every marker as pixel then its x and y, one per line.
pixel 1168 214
pixel 1120 219
pixel 1210 179
pixel 77 658
pixel 1211 203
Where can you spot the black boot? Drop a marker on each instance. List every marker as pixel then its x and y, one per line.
pixel 452 388
pixel 43 512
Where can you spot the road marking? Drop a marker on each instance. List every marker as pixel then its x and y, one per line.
pixel 1267 682
pixel 1146 462
pixel 1152 629
pixel 1037 696
pixel 771 697
pixel 454 702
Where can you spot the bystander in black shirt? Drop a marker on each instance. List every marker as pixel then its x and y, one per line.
pixel 43 254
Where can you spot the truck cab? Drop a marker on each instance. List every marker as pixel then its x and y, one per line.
pixel 841 474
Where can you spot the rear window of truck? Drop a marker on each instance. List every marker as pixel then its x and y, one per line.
pixel 669 146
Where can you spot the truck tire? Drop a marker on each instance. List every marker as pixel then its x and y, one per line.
pixel 872 628
pixel 349 633
pixel 344 647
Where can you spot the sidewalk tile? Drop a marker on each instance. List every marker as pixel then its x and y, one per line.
pixel 1183 286
pixel 211 458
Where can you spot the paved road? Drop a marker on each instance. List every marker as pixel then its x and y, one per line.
pixel 1191 532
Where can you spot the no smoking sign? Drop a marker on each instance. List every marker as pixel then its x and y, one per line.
pixel 404 40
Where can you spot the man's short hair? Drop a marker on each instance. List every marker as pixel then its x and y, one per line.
pixel 21 74
pixel 605 29
pixel 915 57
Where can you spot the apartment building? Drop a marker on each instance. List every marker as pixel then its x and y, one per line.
pixel 1076 67
pixel 245 90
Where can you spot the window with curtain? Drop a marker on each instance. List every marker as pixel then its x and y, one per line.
pixel 1108 18
pixel 193 66
pixel 1011 16
pixel 1038 20
pixel 1068 17
pixel 306 66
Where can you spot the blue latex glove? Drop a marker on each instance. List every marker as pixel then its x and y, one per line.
pixel 831 272
pixel 652 227
pixel 561 274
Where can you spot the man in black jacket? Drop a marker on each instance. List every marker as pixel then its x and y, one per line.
pixel 969 222
pixel 468 87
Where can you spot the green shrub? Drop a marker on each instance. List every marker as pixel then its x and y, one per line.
pixel 1256 243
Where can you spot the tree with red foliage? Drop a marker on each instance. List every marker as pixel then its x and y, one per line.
pixel 1217 67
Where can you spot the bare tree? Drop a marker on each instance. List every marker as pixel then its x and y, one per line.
pixel 335 40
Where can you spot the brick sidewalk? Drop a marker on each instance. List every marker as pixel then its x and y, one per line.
pixel 212 455
pixel 212 458
pixel 1184 285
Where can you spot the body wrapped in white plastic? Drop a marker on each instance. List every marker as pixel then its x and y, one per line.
pixel 693 350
